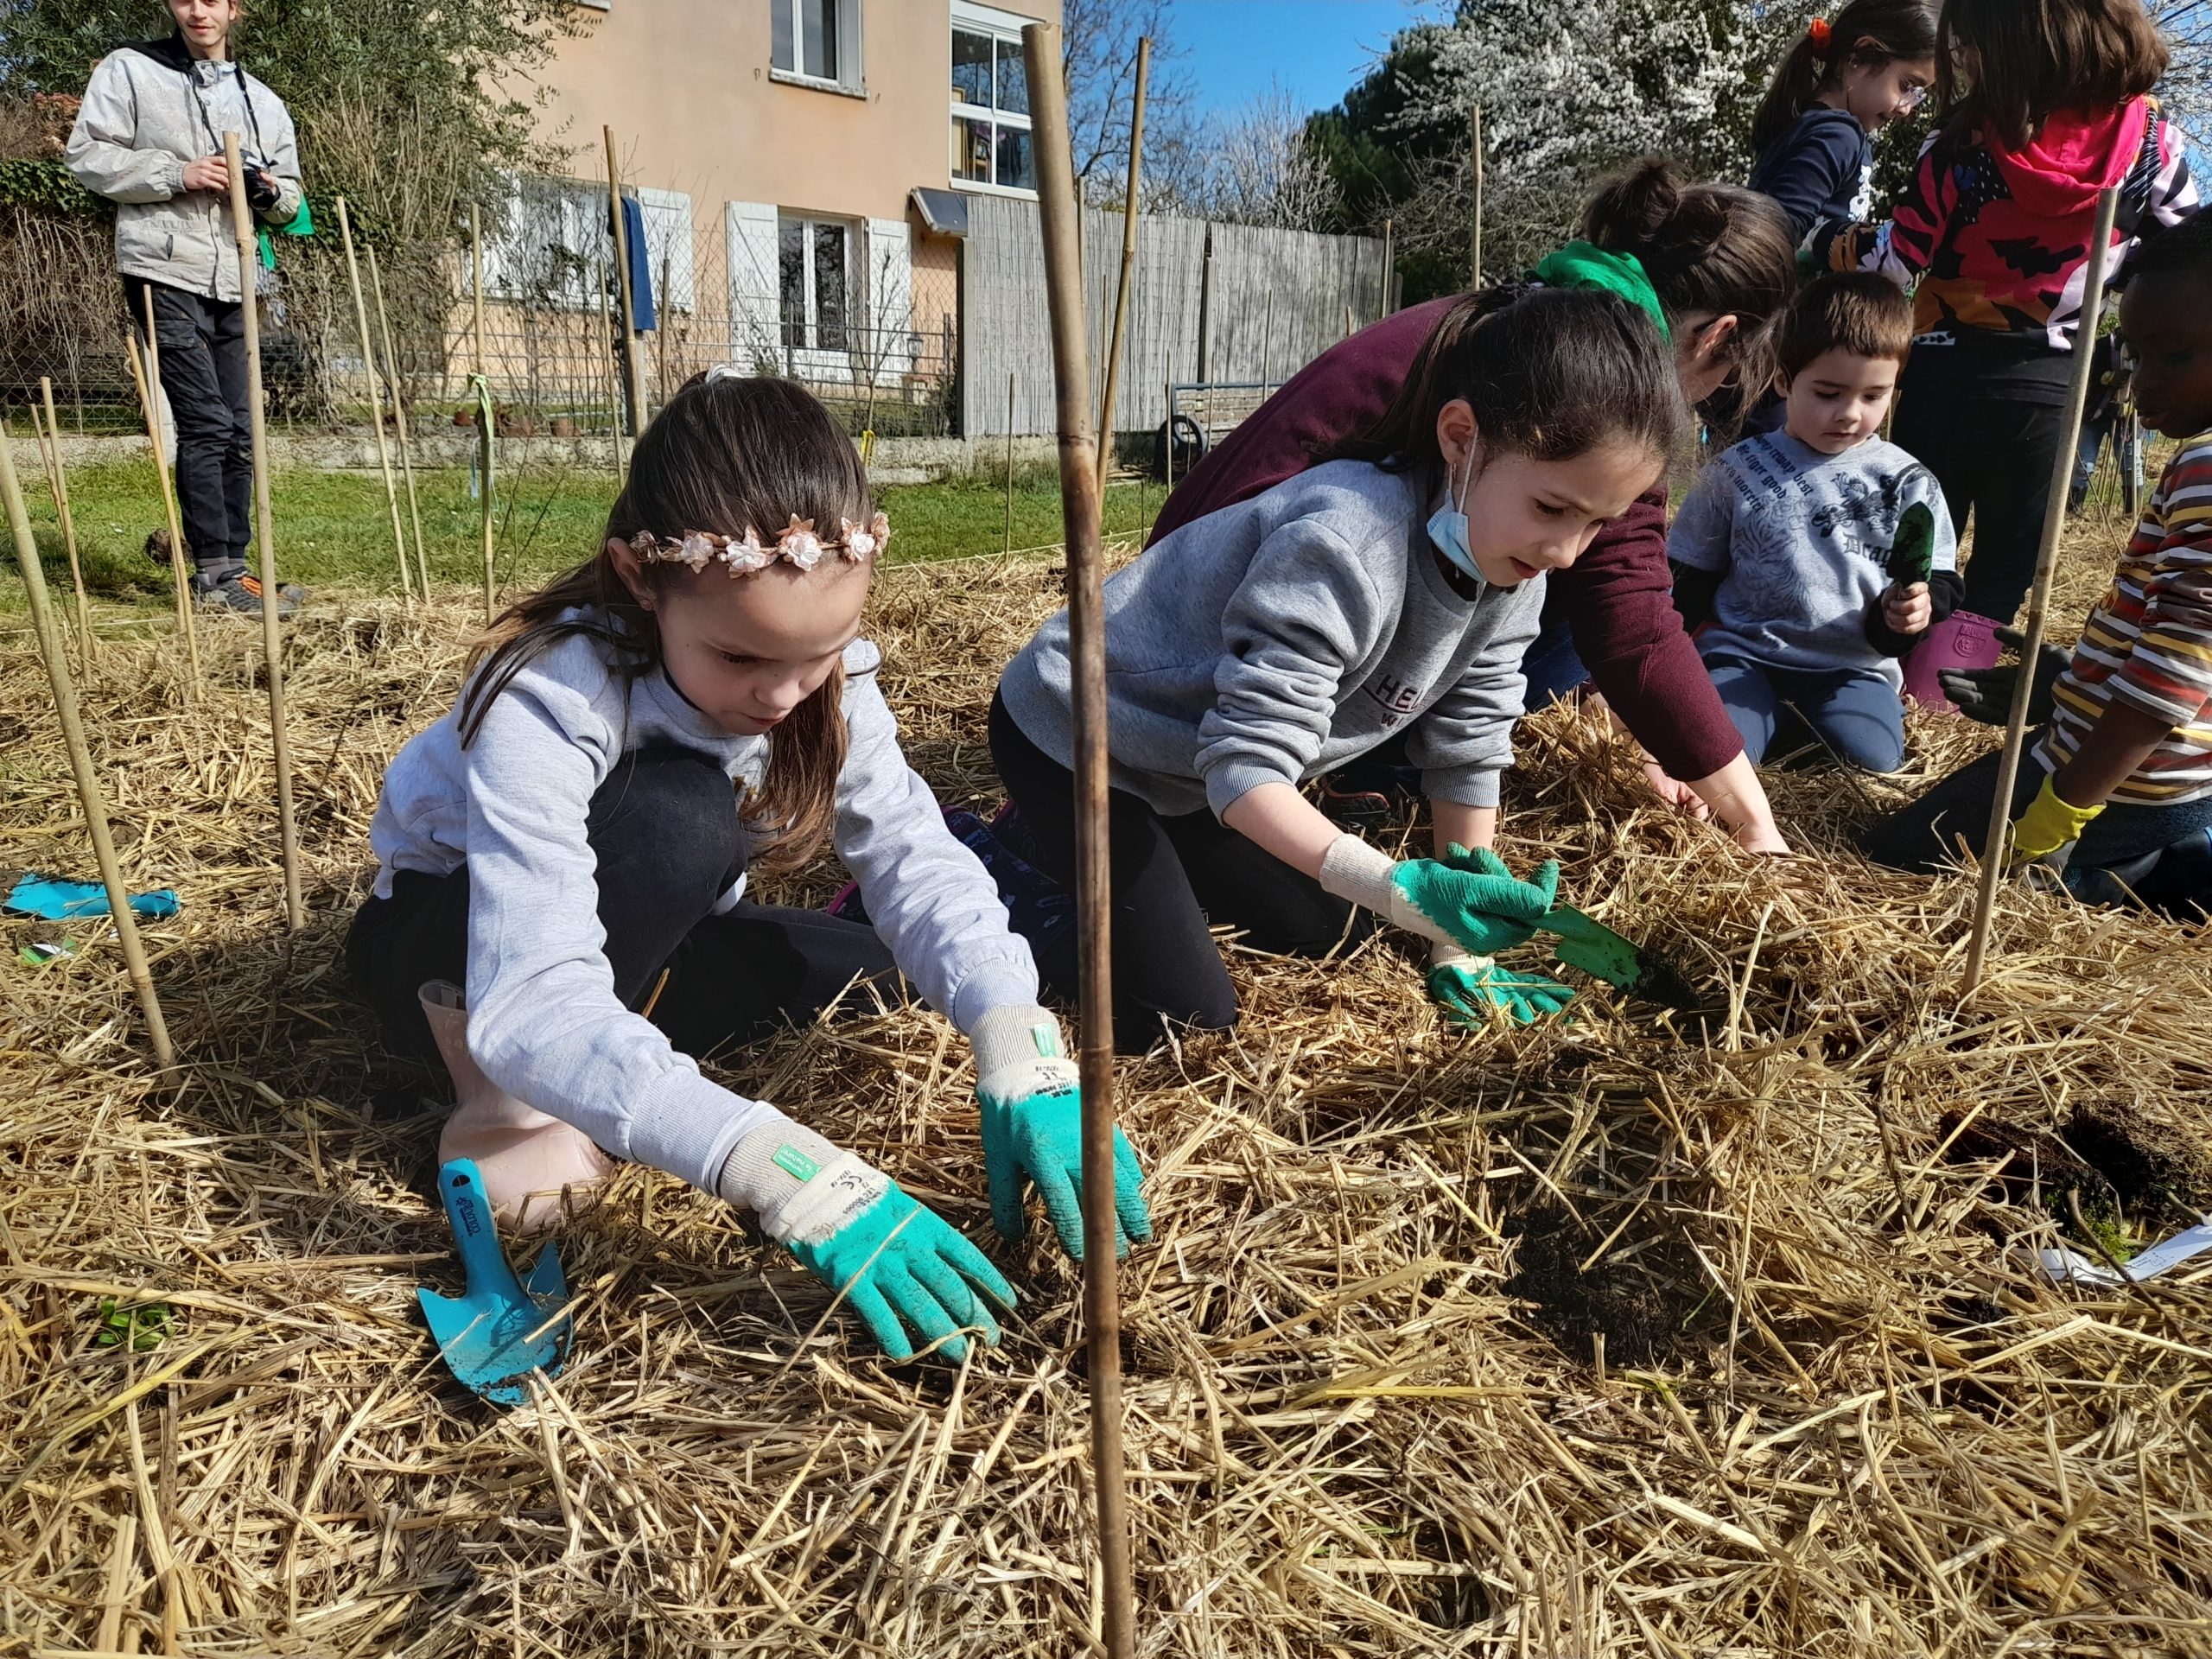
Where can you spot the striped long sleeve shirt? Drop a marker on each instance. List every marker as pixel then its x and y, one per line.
pixel 2149 642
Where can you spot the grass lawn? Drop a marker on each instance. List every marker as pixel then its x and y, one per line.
pixel 334 528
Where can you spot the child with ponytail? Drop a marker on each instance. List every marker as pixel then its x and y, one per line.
pixel 1839 85
pixel 571 845
pixel 1390 593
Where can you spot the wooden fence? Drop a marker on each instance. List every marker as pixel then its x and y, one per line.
pixel 1221 303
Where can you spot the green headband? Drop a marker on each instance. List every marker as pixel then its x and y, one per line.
pixel 1582 264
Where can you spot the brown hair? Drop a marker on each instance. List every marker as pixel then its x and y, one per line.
pixel 2036 56
pixel 726 454
pixel 1861 313
pixel 1869 32
pixel 1550 372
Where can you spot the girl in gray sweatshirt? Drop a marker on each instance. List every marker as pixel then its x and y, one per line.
pixel 572 844
pixel 1385 596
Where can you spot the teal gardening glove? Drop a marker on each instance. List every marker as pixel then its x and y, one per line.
pixel 899 1264
pixel 1471 989
pixel 1032 1108
pixel 1469 899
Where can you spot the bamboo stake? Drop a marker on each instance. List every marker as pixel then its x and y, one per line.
pixel 1384 309
pixel 272 635
pixel 1009 460
pixel 146 372
pixel 1128 265
pixel 376 399
pixel 80 756
pixel 614 383
pixel 487 414
pixel 629 319
pixel 1080 508
pixel 1475 147
pixel 57 482
pixel 399 418
pixel 1994 855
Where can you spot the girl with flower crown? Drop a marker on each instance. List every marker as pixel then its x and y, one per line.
pixel 570 844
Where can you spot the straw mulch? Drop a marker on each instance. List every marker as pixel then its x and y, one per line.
pixel 1837 1412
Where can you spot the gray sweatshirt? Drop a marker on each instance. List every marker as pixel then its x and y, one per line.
pixel 147 111
pixel 544 1021
pixel 1803 539
pixel 1277 638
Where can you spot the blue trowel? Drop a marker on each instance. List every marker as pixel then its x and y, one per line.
pixel 499 1330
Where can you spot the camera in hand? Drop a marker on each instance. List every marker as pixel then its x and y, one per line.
pixel 261 190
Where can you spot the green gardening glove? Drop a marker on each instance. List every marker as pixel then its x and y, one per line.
pixel 902 1266
pixel 1032 1111
pixel 1471 989
pixel 1470 899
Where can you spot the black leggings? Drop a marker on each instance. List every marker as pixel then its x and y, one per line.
pixel 663 828
pixel 1171 875
pixel 1992 455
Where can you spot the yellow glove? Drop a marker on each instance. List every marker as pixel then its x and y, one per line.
pixel 2047 824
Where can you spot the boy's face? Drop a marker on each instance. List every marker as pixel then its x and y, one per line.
pixel 1839 399
pixel 2167 320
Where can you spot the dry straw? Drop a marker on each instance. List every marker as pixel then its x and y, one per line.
pixel 1839 1413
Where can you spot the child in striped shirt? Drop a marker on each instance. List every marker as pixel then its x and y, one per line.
pixel 2120 789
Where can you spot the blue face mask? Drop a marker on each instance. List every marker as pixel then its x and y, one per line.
pixel 1447 525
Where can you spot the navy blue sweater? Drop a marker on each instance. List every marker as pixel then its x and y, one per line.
pixel 1822 168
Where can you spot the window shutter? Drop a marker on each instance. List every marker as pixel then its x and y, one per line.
pixel 749 230
pixel 668 247
pixel 888 291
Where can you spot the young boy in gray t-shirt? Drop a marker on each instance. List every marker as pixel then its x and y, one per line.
pixel 1783 544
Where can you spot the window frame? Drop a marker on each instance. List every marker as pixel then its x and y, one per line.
pixel 852 80
pixel 1000 27
pixel 809 358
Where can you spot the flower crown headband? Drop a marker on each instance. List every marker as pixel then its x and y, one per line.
pixel 800 545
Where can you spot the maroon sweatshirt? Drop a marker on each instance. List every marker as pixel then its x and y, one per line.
pixel 1618 596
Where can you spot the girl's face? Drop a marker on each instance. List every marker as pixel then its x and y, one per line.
pixel 1525 516
pixel 205 25
pixel 1877 94
pixel 745 651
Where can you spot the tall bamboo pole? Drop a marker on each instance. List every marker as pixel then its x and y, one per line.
pixel 1009 460
pixel 1384 310
pixel 1080 507
pixel 89 796
pixel 1475 149
pixel 1128 265
pixel 629 318
pixel 272 634
pixel 487 414
pixel 1994 850
pixel 57 483
pixel 376 398
pixel 399 418
pixel 146 372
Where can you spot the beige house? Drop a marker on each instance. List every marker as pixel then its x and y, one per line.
pixel 802 167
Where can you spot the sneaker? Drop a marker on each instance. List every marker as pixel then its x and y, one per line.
pixel 240 592
pixel 1038 907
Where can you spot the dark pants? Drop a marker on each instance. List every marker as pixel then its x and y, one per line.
pixel 663 831
pixel 1855 711
pixel 1172 874
pixel 1925 835
pixel 203 368
pixel 1992 455
pixel 1551 664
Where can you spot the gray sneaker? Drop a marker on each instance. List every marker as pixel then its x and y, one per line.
pixel 242 592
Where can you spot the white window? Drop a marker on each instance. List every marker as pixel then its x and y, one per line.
pixel 991 146
pixel 551 245
pixel 816 40
pixel 815 286
pixel 667 214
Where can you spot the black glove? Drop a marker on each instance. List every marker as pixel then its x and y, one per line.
pixel 262 191
pixel 1985 694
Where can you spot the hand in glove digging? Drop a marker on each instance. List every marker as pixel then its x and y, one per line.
pixel 1028 1091
pixel 1470 899
pixel 1470 989
pixel 2048 826
pixel 1985 694
pixel 899 1264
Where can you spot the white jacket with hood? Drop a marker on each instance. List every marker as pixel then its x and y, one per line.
pixel 150 109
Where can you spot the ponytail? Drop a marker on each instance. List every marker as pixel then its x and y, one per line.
pixel 1869 32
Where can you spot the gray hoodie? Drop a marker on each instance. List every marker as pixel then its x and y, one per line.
pixel 1277 638
pixel 147 110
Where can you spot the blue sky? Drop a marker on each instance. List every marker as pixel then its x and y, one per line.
pixel 1235 49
